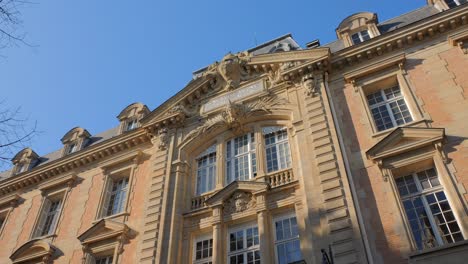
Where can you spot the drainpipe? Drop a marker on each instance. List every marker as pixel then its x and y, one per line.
pixel 370 259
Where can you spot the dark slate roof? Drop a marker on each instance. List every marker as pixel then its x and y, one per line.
pixel 406 19
pixel 58 153
pixel 392 24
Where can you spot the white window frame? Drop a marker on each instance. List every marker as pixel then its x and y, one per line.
pixel 279 242
pixel 106 259
pixel 109 192
pixel 251 156
pixel 244 251
pixel 194 250
pixel 422 193
pixel 386 102
pixel 285 155
pixel 44 213
pixel 131 124
pixel 360 35
pixel 204 171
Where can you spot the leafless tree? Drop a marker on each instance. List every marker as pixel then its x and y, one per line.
pixel 11 31
pixel 15 133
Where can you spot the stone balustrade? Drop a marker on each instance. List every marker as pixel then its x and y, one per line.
pixel 199 201
pixel 280 178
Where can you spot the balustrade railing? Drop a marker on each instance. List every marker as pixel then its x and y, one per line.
pixel 277 179
pixel 199 201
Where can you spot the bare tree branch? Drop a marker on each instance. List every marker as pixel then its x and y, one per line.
pixel 11 24
pixel 15 132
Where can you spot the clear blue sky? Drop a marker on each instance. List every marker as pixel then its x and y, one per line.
pixel 95 57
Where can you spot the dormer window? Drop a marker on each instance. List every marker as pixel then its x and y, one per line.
pixel 75 140
pixel 360 36
pixel 129 117
pixel 358 28
pixel 24 160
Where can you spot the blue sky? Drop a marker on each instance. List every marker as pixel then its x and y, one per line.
pixel 93 58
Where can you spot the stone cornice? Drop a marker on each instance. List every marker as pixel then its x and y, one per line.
pixel 403 37
pixel 68 163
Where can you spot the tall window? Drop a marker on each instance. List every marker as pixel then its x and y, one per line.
pixel 104 260
pixel 241 160
pixel 49 217
pixel 278 155
pixel 203 251
pixel 287 240
pixel 244 246
pixel 430 216
pixel 360 36
pixel 116 195
pixel 206 172
pixel 73 147
pixel 388 108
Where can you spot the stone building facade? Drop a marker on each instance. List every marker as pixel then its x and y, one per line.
pixel 352 152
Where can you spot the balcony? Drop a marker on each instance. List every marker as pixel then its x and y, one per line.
pixel 280 178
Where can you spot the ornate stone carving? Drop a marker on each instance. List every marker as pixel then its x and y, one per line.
pixel 239 202
pixel 231 69
pixel 310 85
pixel 163 138
pixel 274 77
pixel 235 114
pixel 182 110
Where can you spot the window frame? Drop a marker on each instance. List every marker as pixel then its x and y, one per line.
pixel 252 151
pixel 134 123
pixel 60 196
pixel 360 36
pixel 421 193
pixel 244 251
pixel 196 240
pixel 391 76
pixel 210 152
pixel 110 175
pixel 275 239
pixel 276 145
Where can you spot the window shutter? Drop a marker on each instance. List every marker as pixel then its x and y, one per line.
pixel 42 218
pixel 107 195
pixel 55 219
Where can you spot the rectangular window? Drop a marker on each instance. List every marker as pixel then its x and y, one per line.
pixel 131 124
pixel 116 195
pixel 287 243
pixel 388 108
pixel 278 156
pixel 73 147
pixel 241 160
pixel 360 36
pixel 104 260
pixel 49 216
pixel 244 246
pixel 206 172
pixel 203 251
pixel 427 209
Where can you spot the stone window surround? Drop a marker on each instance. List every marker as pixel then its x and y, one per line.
pixel 240 227
pixel 117 170
pixel 357 23
pixel 266 217
pixel 396 166
pixel 7 205
pixel 196 239
pixel 389 76
pixel 58 189
pixel 24 160
pixel 133 112
pixel 220 142
pixel 76 138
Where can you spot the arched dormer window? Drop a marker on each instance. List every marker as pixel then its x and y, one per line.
pixel 358 28
pixel 130 117
pixel 74 140
pixel 24 160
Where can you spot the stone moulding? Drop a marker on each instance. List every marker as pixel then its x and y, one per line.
pixel 399 38
pixel 69 163
pixel 459 39
pixel 33 250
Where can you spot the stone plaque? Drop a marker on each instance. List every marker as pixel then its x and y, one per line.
pixel 234 96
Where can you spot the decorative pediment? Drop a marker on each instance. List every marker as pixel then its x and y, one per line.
pixel 75 134
pixel 26 155
pixel 240 191
pixel 404 139
pixel 102 230
pixel 36 249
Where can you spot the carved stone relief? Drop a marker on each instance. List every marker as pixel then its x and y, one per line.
pixel 231 69
pixel 310 85
pixel 239 202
